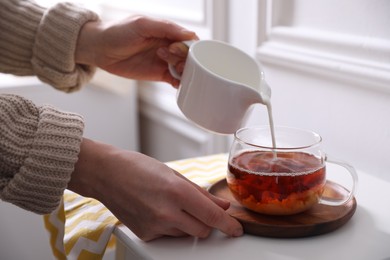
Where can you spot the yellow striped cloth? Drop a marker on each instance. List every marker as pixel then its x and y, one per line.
pixel 81 228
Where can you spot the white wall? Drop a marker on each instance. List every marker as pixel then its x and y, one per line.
pixel 328 63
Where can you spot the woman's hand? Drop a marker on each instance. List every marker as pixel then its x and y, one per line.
pixel 137 47
pixel 147 196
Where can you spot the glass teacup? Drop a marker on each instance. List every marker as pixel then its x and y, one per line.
pixel 282 180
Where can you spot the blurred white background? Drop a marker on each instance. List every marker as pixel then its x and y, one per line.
pixel 327 62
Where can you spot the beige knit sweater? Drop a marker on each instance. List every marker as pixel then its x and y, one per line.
pixel 39 145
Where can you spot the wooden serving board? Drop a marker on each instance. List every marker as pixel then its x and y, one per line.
pixel 320 219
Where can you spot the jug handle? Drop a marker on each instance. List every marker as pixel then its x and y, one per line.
pixel 172 69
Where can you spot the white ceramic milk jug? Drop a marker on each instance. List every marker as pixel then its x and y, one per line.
pixel 218 85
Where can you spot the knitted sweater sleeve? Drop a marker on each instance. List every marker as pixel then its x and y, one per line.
pixel 35 41
pixel 38 150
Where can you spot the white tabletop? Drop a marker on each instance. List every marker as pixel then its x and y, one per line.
pixel 365 237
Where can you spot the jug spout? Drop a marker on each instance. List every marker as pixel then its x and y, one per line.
pixel 248 95
pixel 265 92
pixel 229 113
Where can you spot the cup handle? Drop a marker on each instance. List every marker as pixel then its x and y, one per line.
pixel 351 170
pixel 172 69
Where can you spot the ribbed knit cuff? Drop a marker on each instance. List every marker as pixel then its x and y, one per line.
pixel 55 44
pixel 18 25
pixel 49 159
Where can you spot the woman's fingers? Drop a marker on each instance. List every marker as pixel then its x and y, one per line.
pixel 192 226
pixel 225 204
pixel 171 58
pixel 198 205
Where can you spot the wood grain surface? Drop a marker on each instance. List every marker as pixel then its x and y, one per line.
pixel 320 219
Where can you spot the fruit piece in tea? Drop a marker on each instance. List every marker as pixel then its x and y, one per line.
pixel 286 184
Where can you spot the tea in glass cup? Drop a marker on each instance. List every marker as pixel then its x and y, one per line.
pixel 285 179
